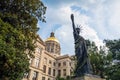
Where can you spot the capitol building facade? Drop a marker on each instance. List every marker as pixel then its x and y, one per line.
pixel 48 63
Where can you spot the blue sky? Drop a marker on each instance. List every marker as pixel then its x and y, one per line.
pixel 100 19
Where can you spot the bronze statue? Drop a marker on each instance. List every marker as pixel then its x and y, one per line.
pixel 83 63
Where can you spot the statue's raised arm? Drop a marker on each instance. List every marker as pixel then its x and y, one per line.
pixel 73 24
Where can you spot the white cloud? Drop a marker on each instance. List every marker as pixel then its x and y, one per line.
pixel 65 32
pixel 65 36
pixel 101 21
pixel 114 19
pixel 107 18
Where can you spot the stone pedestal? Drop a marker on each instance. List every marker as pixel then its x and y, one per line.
pixel 88 77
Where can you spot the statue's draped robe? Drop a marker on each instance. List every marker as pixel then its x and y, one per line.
pixel 83 65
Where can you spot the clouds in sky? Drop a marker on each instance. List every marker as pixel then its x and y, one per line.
pixel 100 20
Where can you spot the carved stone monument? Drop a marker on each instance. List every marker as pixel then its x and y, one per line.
pixel 83 68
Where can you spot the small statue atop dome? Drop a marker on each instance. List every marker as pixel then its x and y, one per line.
pixel 52 34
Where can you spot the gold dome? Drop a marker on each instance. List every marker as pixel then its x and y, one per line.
pixel 52 38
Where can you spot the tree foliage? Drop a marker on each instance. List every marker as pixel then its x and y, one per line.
pixel 105 63
pixel 99 59
pixel 114 47
pixel 13 60
pixel 18 28
pixel 113 71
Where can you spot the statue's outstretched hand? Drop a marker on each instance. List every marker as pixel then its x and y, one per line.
pixel 72 17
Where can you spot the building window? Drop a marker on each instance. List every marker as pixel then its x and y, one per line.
pixel 35 74
pixel 49 71
pixel 59 64
pixel 37 60
pixel 43 78
pixel 59 73
pixel 70 63
pixel 50 62
pixel 48 47
pixel 54 64
pixel 64 63
pixel 48 78
pixel 52 50
pixel 44 68
pixel 64 72
pixel 53 72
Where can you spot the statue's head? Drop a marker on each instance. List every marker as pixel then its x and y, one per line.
pixel 78 30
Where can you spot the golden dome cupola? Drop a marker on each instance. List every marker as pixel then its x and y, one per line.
pixel 52 45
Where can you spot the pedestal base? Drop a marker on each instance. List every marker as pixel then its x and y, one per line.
pixel 88 77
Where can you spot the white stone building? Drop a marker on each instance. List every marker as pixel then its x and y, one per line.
pixel 48 62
